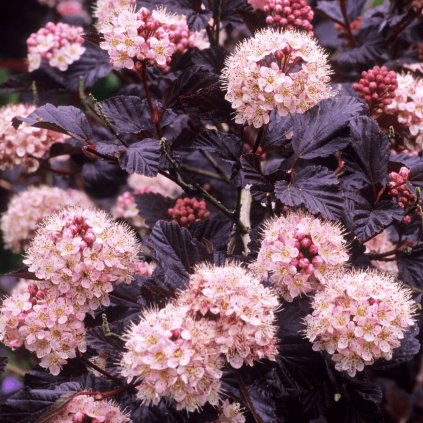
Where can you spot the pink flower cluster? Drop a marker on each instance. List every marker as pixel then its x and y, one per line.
pixel 381 243
pixel 159 184
pixel 81 253
pixel 407 105
pixel 27 209
pixel 289 14
pixel 230 413
pixel 132 38
pixel 282 70
pixel 377 87
pixel 188 210
pixel 77 254
pixel 126 208
pixel 178 351
pixel 400 191
pixel 104 9
pixel 84 408
pixel 243 309
pixel 60 44
pixel 176 358
pixel 298 251
pixel 358 318
pixel 46 325
pixel 26 145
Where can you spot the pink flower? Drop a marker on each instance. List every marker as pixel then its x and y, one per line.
pixel 359 317
pixel 282 70
pixel 230 413
pixel 25 145
pixel 297 252
pixel 407 106
pixel 60 44
pixel 244 311
pixel 86 408
pixel 150 37
pixel 175 356
pixel 80 253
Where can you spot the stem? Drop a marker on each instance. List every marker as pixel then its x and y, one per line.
pixel 194 186
pixel 402 25
pixel 6 185
pixel 88 363
pixel 215 165
pixel 343 6
pixel 202 172
pixel 245 200
pixel 258 140
pixel 107 394
pixel 217 23
pixel 153 109
pixel 247 398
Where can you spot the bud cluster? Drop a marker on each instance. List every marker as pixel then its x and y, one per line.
pixel 282 70
pixel 152 37
pixel 60 44
pixel 398 189
pixel 26 145
pixel 358 318
pixel 84 409
pixel 377 88
pixel 297 252
pixel 179 350
pixel 289 14
pixel 188 210
pixel 27 209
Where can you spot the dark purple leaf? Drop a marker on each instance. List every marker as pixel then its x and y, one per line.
pixel 315 130
pixel 176 251
pixel 190 81
pixel 369 220
pixel 127 114
pixel 371 147
pixel 228 146
pixel 314 187
pixel 29 404
pixel 65 119
pixel 411 267
pixel 153 207
pixel 198 20
pixel 142 157
pixel 252 175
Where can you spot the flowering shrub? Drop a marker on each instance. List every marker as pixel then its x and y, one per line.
pixel 211 211
pixel 358 318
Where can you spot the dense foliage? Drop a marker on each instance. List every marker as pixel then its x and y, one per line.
pixel 215 212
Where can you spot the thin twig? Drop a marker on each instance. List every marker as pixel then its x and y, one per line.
pixel 153 110
pixel 88 363
pixel 247 397
pixel 215 165
pixel 258 140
